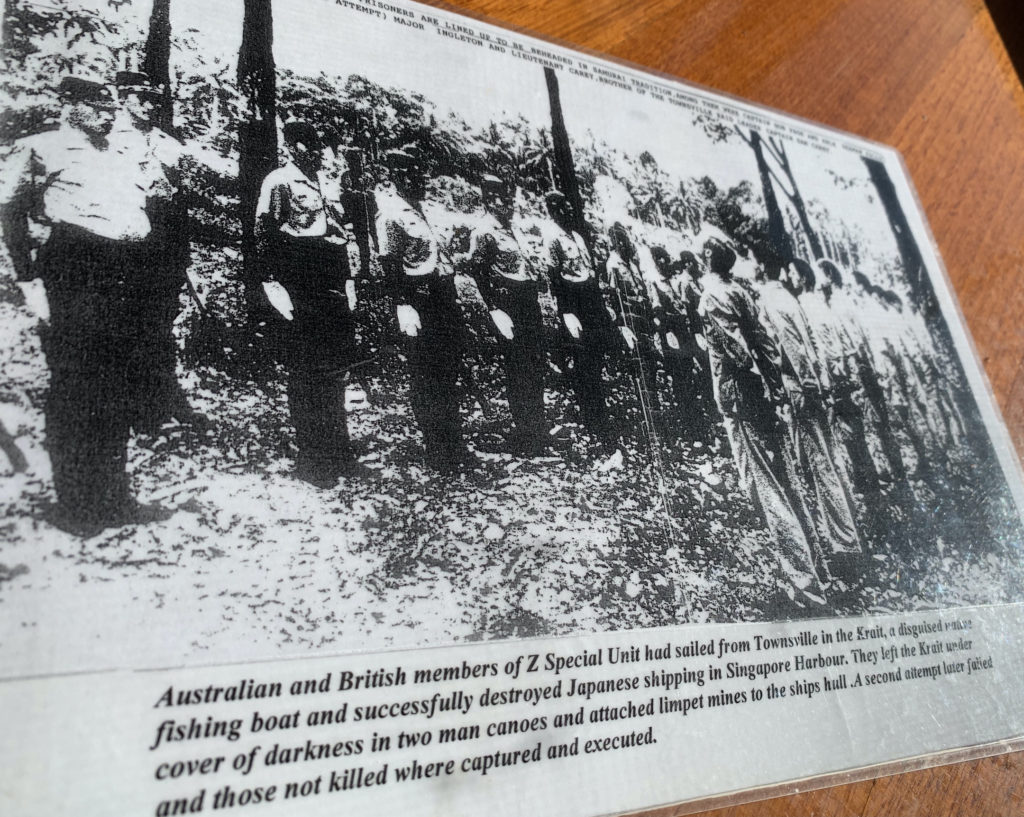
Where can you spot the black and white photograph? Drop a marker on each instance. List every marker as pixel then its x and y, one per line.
pixel 332 327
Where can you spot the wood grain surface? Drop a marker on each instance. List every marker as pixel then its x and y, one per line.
pixel 929 77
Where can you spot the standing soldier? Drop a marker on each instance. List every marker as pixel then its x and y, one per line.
pixel 305 263
pixel 583 320
pixel 631 302
pixel 748 390
pixel 427 309
pixel 509 288
pixel 867 400
pixel 826 497
pixel 93 204
pixel 681 334
pixel 687 285
pixel 161 157
pixel 837 354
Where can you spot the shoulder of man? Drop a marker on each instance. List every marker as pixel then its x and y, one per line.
pixel 47 147
pixel 713 296
pixel 392 212
pixel 38 158
pixel 279 177
pixel 772 296
pixel 168 149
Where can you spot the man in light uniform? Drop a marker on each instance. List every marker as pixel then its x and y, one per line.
pixel 583 321
pixel 305 261
pixel 826 498
pixel 867 399
pixel 427 310
pixel 162 158
pixel 509 288
pixel 92 203
pixel 682 340
pixel 631 302
pixel 749 392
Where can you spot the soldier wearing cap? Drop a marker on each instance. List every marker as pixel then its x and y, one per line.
pixel 509 288
pixel 305 264
pixel 426 306
pixel 89 204
pixel 161 158
pixel 583 321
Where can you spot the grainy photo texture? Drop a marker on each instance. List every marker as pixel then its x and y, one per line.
pixel 336 326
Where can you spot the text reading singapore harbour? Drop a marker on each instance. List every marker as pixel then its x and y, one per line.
pixel 550 663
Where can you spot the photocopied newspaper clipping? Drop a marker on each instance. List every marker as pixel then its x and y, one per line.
pixel 580 725
pixel 401 414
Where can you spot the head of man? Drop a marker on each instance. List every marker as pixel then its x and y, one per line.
pixel 558 208
pixel 831 274
pixel 862 281
pixel 498 198
pixel 771 260
pixel 618 238
pixel 138 97
pixel 662 261
pixel 305 146
pixel 333 139
pixel 689 264
pixel 801 277
pixel 719 257
pixel 333 153
pixel 406 171
pixel 88 106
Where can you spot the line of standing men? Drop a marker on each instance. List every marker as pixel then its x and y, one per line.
pixel 302 236
pixel 785 461
pixel 793 392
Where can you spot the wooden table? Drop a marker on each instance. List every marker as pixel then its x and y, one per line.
pixel 933 79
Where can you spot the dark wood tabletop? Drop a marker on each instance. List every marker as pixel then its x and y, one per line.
pixel 930 77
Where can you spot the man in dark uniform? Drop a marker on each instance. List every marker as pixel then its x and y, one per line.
pixel 153 364
pixel 583 321
pixel 509 288
pixel 93 204
pixel 305 263
pixel 426 306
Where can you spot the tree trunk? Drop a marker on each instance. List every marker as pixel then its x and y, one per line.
pixel 777 235
pixel 779 152
pixel 565 169
pixel 257 137
pixel 922 295
pixel 805 222
pixel 157 62
pixel 913 264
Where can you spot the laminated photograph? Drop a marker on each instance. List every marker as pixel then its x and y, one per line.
pixel 402 414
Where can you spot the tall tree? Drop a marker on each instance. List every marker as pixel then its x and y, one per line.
pixel 776 149
pixel 257 134
pixel 910 254
pixel 565 169
pixel 923 297
pixel 777 234
pixel 157 62
pixel 772 148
